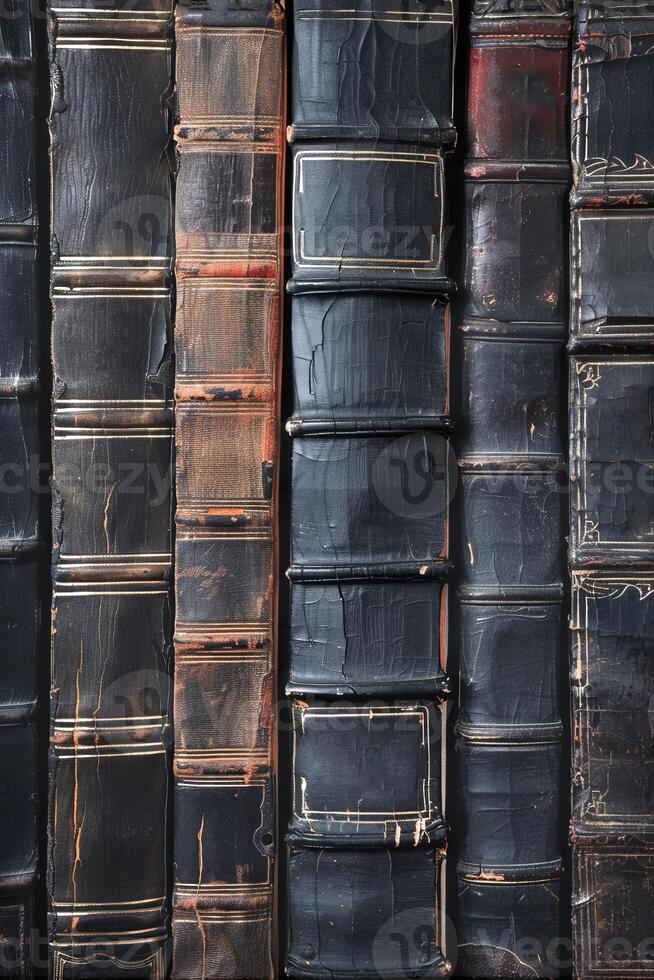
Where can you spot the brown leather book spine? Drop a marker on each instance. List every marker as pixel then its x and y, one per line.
pixel 230 141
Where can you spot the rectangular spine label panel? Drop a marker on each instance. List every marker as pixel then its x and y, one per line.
pixel 612 457
pixel 612 277
pixel 342 227
pixel 613 666
pixel 390 788
pixel 614 930
pixel 613 133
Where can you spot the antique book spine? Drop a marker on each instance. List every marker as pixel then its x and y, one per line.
pixel 371 482
pixel 230 79
pixel 511 448
pixel 23 521
pixel 110 766
pixel 611 461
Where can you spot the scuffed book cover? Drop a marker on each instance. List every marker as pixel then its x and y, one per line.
pixel 612 127
pixel 611 460
pixel 372 71
pixel 612 278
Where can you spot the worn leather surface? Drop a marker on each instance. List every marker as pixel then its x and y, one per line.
pixel 372 480
pixel 379 72
pixel 489 914
pixel 368 215
pixel 365 914
pixel 505 517
pixel 613 920
pixel 611 277
pixel 611 456
pixel 511 447
pixel 501 639
pixel 613 140
pixel 230 79
pixel 524 279
pixel 351 369
pixel 111 658
pixel 349 366
pixel 379 499
pixel 22 517
pixel 386 792
pixel 357 637
pixel 511 804
pixel 613 783
pixel 531 73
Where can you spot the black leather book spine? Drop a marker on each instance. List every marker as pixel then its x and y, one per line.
pixel 22 518
pixel 510 440
pixel 371 484
pixel 611 459
pixel 110 122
